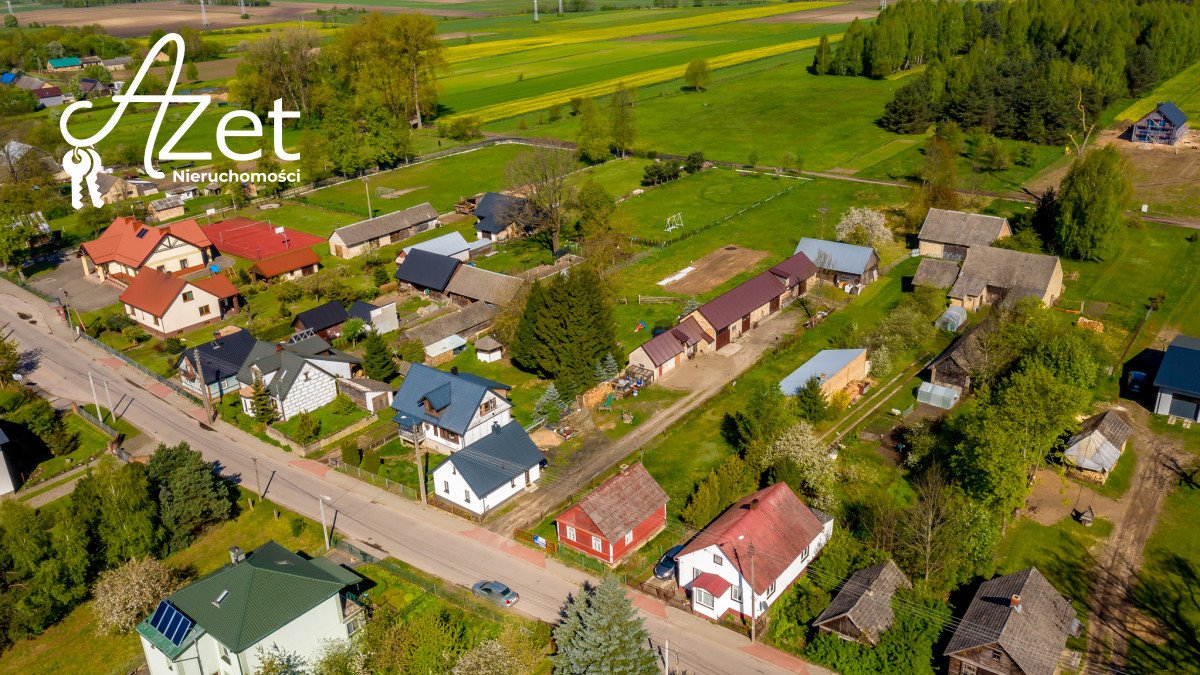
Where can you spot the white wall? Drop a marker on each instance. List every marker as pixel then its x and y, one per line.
pixel 7 485
pixel 480 426
pixel 385 319
pixel 445 475
pixel 309 394
pixel 171 252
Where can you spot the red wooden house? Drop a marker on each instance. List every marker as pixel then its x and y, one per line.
pixel 625 512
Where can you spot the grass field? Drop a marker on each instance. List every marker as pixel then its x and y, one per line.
pixel 1183 90
pixel 907 163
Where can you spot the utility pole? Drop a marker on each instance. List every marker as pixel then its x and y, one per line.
pixel 367 187
pixel 95 401
pixel 257 480
pixel 112 412
pixel 324 528
pixel 560 11
pixel 416 434
pixel 535 12
pixel 753 601
pixel 204 393
pixel 667 658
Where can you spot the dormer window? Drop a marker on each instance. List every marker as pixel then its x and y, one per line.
pixel 488 406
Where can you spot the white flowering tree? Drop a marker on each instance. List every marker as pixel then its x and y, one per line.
pixel 864 227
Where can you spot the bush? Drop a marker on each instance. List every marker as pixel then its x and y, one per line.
pixel 172 345
pixel 307 428
pixel 298 526
pixel 135 333
pixel 127 594
pixel 463 128
pixel 285 312
pixel 371 462
pixel 342 405
pixel 694 162
pixel 411 350
pixel 381 276
pixel 288 291
pixel 351 454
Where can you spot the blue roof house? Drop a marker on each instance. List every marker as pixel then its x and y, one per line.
pixel 491 470
pixel 1177 383
pixel 449 410
pixel 840 262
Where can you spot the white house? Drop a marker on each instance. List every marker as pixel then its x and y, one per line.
pixel 7 484
pixel 378 318
pixel 781 533
pixel 269 599
pixel 491 470
pixel 453 409
pixel 165 304
pixel 299 376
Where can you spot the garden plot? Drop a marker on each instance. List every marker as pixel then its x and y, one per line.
pixel 715 269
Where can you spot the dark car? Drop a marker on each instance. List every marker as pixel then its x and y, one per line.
pixel 1137 380
pixel 496 592
pixel 665 569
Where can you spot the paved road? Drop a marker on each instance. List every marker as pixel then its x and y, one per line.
pixel 426 538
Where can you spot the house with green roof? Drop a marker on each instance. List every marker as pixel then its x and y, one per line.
pixel 65 63
pixel 265 600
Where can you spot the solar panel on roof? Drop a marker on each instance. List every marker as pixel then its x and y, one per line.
pixel 170 623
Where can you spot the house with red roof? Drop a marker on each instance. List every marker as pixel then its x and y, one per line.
pixel 616 518
pixel 727 317
pixel 129 246
pixel 294 264
pixel 746 558
pixel 166 304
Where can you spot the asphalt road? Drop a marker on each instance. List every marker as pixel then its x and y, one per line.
pixel 375 519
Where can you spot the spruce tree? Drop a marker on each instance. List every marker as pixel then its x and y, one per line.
pixel 523 349
pixel 377 360
pixel 261 405
pixel 611 367
pixel 811 404
pixel 602 634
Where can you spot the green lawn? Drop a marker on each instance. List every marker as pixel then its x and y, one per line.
pixel 91 443
pixel 329 422
pixel 1183 90
pixel 73 645
pixel 1121 476
pixel 906 165
pixel 642 407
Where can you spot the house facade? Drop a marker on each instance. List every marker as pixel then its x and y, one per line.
pixel 669 349
pixel 129 246
pixel 1166 125
pixel 368 235
pixel 449 410
pixel 167 305
pixel 490 470
pixel 299 376
pixel 841 263
pixel 616 518
pixel 268 599
pixel 716 568
pixel 1177 383
pixel 218 361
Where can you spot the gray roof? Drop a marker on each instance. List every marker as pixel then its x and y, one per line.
pixel 825 364
pixel 497 458
pixel 936 273
pixel 479 284
pixel 1015 271
pixel 427 270
pixel 289 359
pixel 169 202
pixel 866 600
pixel 447 244
pixel 323 316
pixel 443 399
pixel 1180 367
pixel 465 320
pixel 389 223
pixel 487 343
pixel 221 357
pixel 961 229
pixel 1033 637
pixel 837 256
pixel 367 384
pixel 1097 446
pixel 1172 113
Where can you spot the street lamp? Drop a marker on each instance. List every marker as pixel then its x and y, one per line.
pixel 324 529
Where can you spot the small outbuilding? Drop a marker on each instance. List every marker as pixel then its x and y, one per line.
pixel 835 369
pixel 952 319
pixel 487 349
pixel 840 262
pixel 1098 445
pixel 862 609
pixel 937 395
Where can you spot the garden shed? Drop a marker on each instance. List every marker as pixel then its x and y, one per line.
pixel 937 396
pixel 952 319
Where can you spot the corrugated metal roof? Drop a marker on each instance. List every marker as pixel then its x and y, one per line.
pixel 823 366
pixel 427 270
pixel 505 453
pixel 836 255
pixel 497 211
pixel 221 357
pixel 727 308
pixel 1172 113
pixel 466 392
pixel 326 315
pixel 1180 368
pixel 447 244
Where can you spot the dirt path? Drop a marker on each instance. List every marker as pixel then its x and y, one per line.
pixel 1113 616
pixel 704 376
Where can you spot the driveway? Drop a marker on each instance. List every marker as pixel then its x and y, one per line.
pixel 83 293
pixel 703 376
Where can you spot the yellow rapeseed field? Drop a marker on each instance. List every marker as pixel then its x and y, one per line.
pixel 460 53
pixel 535 103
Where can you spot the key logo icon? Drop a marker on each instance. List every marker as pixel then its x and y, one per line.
pixel 83 165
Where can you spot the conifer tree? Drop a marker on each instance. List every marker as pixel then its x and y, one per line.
pixel 602 634
pixel 823 59
pixel 811 404
pixel 261 404
pixel 377 360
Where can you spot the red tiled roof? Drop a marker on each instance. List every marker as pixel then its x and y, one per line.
pixel 218 285
pixel 620 504
pixel 729 307
pixel 775 520
pixel 288 262
pixel 47 92
pixel 121 243
pixel 152 291
pixel 712 583
pixel 795 269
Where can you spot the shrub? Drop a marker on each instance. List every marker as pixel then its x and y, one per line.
pixel 172 345
pixel 411 350
pixel 127 594
pixel 463 128
pixel 342 405
pixel 298 526
pixel 307 428
pixel 288 291
pixel 371 462
pixel 381 276
pixel 135 333
pixel 285 312
pixel 351 454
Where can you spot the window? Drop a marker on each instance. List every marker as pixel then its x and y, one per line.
pixel 467 496
pixel 770 590
pixel 453 470
pixel 695 573
pixel 446 486
pixel 448 435
pixel 183 264
pixel 718 560
pixel 188 296
pixel 204 311
pixel 629 537
pixel 161 268
pixel 703 598
pixel 512 483
pixel 488 406
pixel 155 320
pixel 597 545
pixel 996 655
pixel 570 533
pixel 804 554
pixel 736 593
pixel 967 668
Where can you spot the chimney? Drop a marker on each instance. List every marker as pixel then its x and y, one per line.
pixel 1015 603
pixel 754 504
pixel 624 469
pixel 495 427
pixel 236 555
pixel 454 370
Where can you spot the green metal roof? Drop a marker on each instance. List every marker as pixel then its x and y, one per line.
pixel 268 590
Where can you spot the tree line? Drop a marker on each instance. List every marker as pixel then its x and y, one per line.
pixel 118 513
pixel 1024 69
